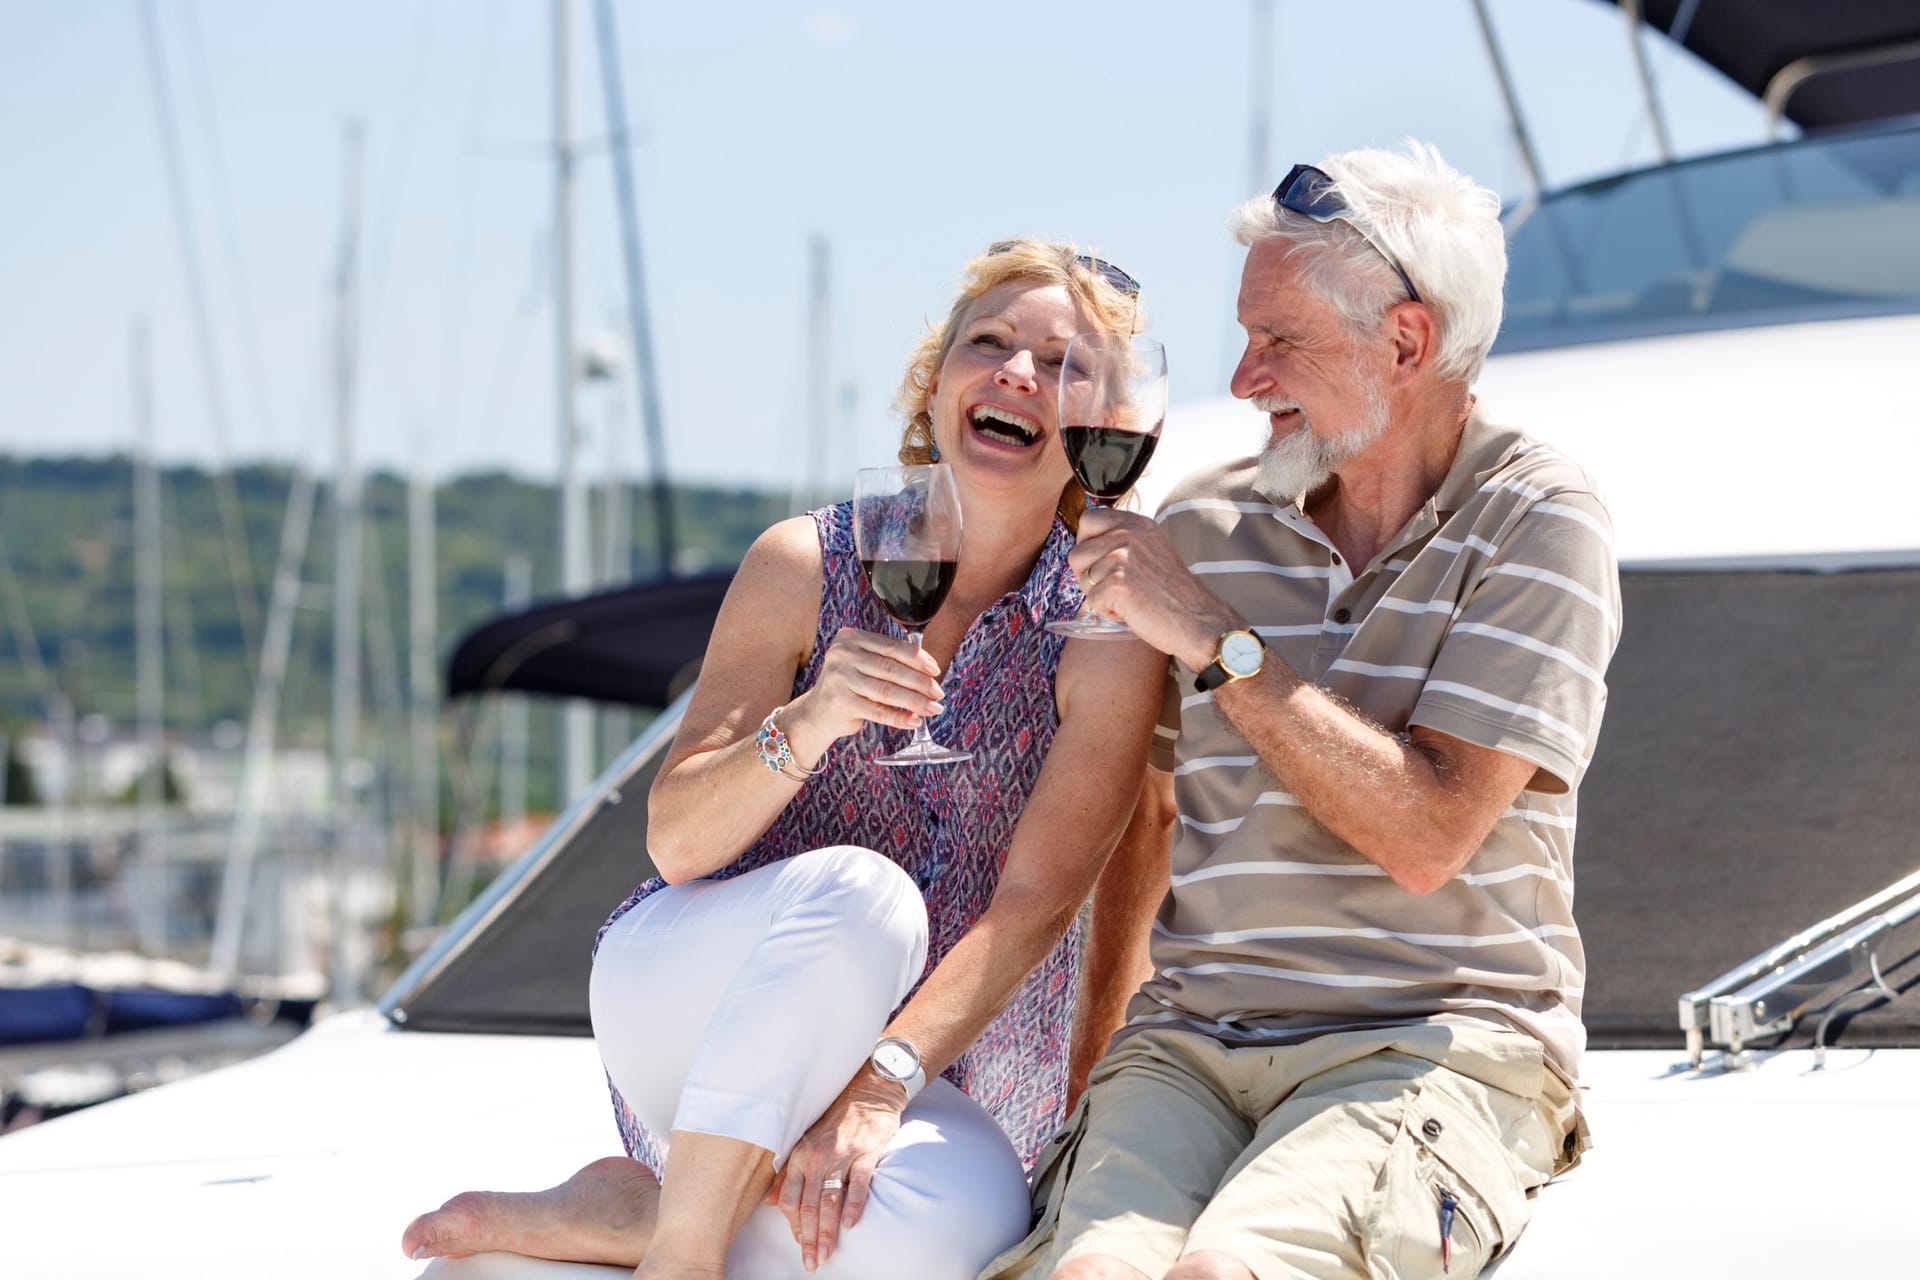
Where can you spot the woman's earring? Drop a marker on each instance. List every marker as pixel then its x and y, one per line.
pixel 936 451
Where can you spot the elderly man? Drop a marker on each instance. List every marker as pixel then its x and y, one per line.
pixel 1356 1052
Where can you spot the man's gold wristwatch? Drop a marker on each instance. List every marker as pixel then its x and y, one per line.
pixel 1237 655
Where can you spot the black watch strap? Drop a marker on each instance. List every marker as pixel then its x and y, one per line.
pixel 1211 677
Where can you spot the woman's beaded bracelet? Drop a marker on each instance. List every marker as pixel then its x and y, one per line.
pixel 776 752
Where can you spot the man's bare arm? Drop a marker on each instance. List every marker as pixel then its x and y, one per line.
pixel 1125 899
pixel 1417 805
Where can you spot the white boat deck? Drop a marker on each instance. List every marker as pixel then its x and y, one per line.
pixel 310 1161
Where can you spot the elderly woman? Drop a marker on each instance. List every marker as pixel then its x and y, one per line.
pixel 837 1025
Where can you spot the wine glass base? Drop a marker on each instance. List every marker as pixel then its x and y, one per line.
pixel 1091 627
pixel 923 753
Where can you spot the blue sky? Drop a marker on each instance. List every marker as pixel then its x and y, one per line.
pixel 909 135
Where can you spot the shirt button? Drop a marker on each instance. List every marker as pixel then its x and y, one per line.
pixel 1336 557
pixel 1342 614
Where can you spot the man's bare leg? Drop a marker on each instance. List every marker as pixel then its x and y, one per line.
pixel 1210 1264
pixel 604 1213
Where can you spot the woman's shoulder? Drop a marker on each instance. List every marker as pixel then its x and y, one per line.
pixel 782 569
pixel 790 546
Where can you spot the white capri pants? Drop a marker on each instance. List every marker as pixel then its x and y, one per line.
pixel 742 1007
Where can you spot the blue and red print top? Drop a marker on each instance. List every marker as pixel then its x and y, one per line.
pixel 947 827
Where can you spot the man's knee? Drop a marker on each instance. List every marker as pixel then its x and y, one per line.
pixel 1097 1266
pixel 1210 1264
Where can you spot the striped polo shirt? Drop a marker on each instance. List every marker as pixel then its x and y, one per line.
pixel 1490 617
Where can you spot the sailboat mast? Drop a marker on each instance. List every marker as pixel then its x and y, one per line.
pixel 576 575
pixel 812 482
pixel 517 591
pixel 345 715
pixel 1260 83
pixel 148 651
pixel 422 691
pixel 639 323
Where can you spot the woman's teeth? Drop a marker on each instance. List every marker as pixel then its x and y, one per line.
pixel 1004 427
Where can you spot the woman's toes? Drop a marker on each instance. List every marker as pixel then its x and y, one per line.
pixel 449 1231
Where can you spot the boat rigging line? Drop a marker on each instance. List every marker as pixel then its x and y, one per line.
pixel 232 525
pixel 239 278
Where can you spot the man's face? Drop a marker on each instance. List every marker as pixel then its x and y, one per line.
pixel 1322 386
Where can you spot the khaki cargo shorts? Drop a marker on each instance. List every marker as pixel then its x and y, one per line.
pixel 1342 1156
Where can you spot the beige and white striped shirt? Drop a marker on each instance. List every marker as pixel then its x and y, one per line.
pixel 1491 617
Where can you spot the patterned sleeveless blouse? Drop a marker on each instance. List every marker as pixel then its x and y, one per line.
pixel 947 827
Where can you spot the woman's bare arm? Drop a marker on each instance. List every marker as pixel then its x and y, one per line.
pixel 713 796
pixel 1109 697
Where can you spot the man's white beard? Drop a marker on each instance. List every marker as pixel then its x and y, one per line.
pixel 1299 463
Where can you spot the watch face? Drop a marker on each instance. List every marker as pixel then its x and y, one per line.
pixel 1240 653
pixel 895 1060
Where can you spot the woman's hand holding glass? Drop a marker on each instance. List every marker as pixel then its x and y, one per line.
pixel 906 530
pixel 866 678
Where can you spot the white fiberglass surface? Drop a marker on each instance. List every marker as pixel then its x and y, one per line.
pixel 307 1162
pixel 1785 441
pixel 1778 1170
pixel 310 1161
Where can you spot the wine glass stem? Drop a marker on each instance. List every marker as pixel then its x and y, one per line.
pixel 1094 504
pixel 921 735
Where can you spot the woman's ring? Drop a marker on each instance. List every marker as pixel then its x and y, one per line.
pixel 832 1184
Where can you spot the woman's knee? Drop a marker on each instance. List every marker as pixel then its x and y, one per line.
pixel 948 1196
pixel 869 892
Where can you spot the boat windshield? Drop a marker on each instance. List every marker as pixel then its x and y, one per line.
pixel 1825 227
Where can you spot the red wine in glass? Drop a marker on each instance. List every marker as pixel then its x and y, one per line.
pixel 1113 401
pixel 1109 460
pixel 911 590
pixel 906 531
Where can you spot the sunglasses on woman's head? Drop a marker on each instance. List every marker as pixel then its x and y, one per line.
pixel 1106 270
pixel 1309 192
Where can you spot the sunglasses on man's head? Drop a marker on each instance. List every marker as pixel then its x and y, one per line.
pixel 1309 192
pixel 1106 270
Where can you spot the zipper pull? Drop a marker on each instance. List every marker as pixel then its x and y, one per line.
pixel 1448 1206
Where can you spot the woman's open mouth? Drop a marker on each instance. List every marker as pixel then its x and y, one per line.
pixel 1004 426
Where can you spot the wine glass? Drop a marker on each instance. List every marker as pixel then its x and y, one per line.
pixel 1113 398
pixel 906 529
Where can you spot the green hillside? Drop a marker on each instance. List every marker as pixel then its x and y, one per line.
pixel 66 525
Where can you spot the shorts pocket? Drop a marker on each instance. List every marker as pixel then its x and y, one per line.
pixel 1450 1199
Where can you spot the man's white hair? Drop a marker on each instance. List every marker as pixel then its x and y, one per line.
pixel 1440 225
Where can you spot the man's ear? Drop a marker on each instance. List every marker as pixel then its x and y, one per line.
pixel 1415 338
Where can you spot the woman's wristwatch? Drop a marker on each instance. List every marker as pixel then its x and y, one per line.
pixel 896 1059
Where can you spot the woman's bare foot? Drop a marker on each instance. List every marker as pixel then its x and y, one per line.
pixel 604 1213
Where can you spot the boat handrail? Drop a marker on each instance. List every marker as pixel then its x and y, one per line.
pixel 1827 961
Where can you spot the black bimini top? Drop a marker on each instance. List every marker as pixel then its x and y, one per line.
pixel 639 644
pixel 1752 41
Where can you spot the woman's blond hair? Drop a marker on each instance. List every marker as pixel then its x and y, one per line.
pixel 1037 262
